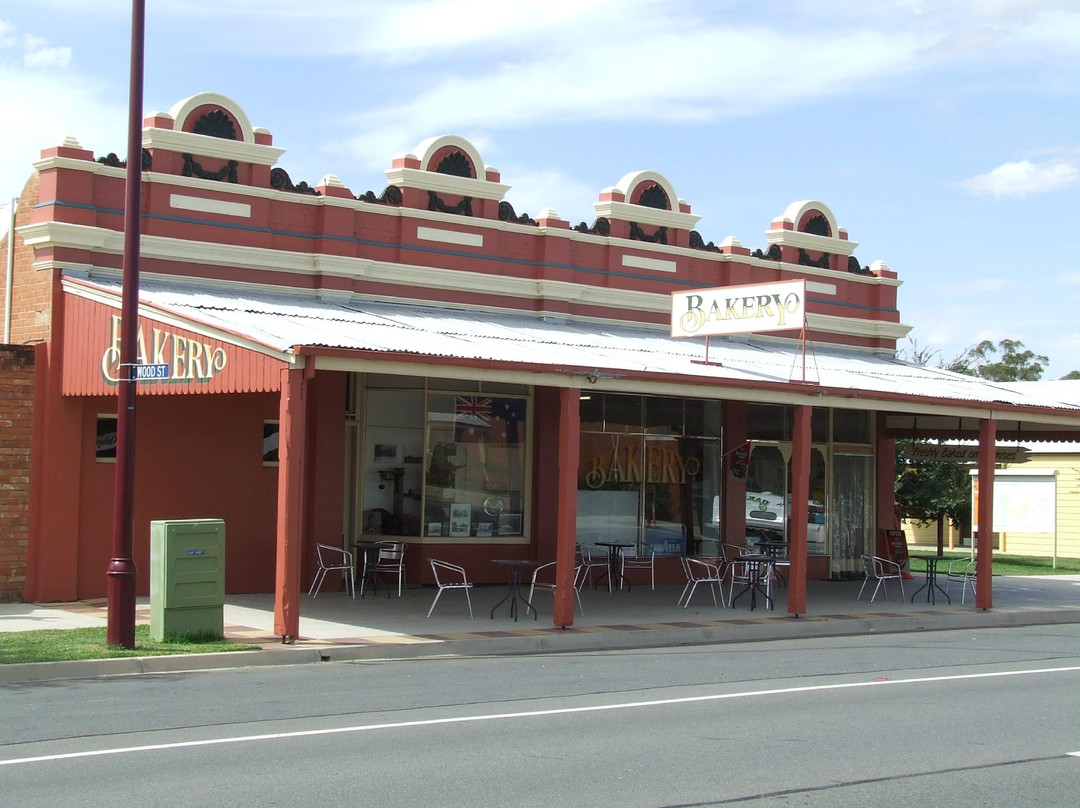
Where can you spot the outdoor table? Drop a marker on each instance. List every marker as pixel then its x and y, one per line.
pixel 370 551
pixel 614 568
pixel 514 567
pixel 931 583
pixel 754 565
pixel 776 550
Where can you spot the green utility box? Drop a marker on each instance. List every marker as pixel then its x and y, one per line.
pixel 187 578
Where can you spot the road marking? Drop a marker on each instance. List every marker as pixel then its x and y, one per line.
pixel 532 714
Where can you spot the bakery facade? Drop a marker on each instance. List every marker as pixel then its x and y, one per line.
pixel 427 363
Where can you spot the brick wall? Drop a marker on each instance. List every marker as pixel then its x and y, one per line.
pixel 16 414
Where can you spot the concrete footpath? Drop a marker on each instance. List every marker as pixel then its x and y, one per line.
pixel 336 627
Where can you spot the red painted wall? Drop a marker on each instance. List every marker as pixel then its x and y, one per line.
pixel 196 457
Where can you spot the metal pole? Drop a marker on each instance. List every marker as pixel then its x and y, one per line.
pixel 121 570
pixel 10 274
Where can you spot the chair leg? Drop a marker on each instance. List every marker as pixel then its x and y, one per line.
pixel 437 594
pixel 316 584
pixel 469 601
pixel 861 588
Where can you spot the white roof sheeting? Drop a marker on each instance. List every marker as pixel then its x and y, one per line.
pixel 289 322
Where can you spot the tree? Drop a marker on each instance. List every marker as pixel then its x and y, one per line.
pixel 1071 375
pixel 931 491
pixel 1015 364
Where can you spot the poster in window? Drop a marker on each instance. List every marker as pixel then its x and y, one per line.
pixel 509 524
pixel 460 519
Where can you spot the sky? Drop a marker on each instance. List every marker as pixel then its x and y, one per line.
pixel 943 134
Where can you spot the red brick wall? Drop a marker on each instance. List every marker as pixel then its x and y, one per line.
pixel 16 413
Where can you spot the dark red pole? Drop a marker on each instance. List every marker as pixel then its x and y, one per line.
pixel 121 570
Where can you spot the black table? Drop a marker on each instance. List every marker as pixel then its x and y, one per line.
pixel 931 583
pixel 757 567
pixel 614 567
pixel 776 550
pixel 514 567
pixel 370 552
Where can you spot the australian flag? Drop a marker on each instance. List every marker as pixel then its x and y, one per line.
pixel 472 418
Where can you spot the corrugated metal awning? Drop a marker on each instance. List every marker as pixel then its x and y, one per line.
pixel 611 356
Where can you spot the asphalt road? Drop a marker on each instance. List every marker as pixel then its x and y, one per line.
pixel 963 718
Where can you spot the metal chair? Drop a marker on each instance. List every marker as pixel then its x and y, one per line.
pixel 639 562
pixel 699 571
pixel 589 558
pixel 452 577
pixel 881 570
pixel 962 571
pixel 330 559
pixel 549 569
pixel 390 560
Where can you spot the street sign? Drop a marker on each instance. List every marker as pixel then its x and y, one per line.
pixel 963 453
pixel 147 372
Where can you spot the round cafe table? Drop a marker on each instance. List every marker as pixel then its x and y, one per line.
pixel 514 566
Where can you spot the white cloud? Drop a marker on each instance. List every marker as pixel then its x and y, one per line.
pixel 7 34
pixel 76 106
pixel 1024 177
pixel 47 57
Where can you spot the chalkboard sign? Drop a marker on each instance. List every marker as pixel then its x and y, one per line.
pixel 896 547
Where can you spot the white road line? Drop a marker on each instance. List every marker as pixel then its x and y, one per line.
pixel 532 714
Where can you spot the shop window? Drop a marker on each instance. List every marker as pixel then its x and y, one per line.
pixel 622 413
pixel 591 410
pixel 661 491
pixel 819 425
pixel 703 418
pixel 767 422
pixel 851 426
pixel 105 442
pixel 270 443
pixel 474 482
pixel 664 416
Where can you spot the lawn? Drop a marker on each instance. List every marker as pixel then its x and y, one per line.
pixel 53 645
pixel 1019 565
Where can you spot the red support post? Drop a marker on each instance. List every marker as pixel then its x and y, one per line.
pixel 800 498
pixel 290 513
pixel 569 441
pixel 984 561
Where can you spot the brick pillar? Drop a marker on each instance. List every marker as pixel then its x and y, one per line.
pixel 16 416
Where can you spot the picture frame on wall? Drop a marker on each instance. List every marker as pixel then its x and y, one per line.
pixel 509 524
pixel 460 519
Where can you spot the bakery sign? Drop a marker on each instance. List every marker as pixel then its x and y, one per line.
pixel 739 309
pixel 166 356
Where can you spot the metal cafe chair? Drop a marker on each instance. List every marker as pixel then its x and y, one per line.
pixel 588 559
pixel 639 562
pixel 963 572
pixel 390 560
pixel 549 569
pixel 449 576
pixel 699 571
pixel 881 570
pixel 331 559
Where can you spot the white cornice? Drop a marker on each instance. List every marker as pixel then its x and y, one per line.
pixel 808 241
pixel 642 214
pixel 446 183
pixel 319 264
pixel 206 146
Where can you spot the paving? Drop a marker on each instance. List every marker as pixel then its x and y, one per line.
pixel 334 626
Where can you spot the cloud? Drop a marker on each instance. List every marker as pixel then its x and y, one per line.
pixel 37 54
pixel 1024 177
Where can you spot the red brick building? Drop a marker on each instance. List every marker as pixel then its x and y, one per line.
pixel 426 362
